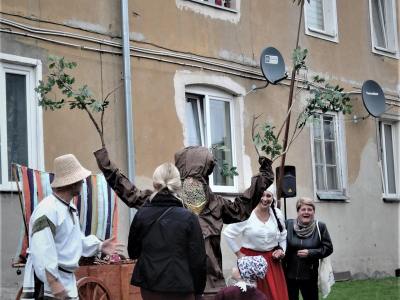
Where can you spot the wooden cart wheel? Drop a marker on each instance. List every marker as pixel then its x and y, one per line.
pixel 91 288
pixel 19 294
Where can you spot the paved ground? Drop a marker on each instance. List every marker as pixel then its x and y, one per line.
pixel 8 293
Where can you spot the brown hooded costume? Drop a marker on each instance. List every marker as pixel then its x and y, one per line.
pixel 198 163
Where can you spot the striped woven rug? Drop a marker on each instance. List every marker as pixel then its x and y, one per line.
pixel 97 205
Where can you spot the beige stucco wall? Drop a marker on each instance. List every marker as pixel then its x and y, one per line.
pixel 364 229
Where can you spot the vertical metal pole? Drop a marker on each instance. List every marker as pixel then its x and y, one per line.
pixel 126 54
pixel 128 89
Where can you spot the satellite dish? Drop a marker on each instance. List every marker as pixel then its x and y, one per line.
pixel 373 98
pixel 272 65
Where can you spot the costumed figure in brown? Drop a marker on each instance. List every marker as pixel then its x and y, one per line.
pixel 195 164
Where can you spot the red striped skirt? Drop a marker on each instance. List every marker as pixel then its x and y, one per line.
pixel 274 283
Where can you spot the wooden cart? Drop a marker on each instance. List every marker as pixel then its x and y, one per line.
pixel 103 282
pixel 107 282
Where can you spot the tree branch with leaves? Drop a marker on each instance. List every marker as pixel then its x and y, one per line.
pixel 75 97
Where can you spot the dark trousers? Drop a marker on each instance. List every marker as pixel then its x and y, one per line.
pixel 308 289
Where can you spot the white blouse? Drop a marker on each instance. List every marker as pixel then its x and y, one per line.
pixel 255 234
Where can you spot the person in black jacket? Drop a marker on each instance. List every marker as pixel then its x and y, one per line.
pixel 304 249
pixel 166 239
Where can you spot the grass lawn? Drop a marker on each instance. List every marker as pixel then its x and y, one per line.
pixel 371 289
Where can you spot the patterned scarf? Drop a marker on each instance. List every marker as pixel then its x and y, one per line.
pixel 304 230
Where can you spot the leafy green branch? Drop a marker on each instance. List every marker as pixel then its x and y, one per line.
pixel 265 140
pixel 299 58
pixel 76 97
pixel 225 168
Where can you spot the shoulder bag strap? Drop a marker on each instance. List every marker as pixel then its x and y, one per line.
pixel 158 219
pixel 319 232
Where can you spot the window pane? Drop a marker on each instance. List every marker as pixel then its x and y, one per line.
pixel 317 127
pixel 331 178
pixel 391 176
pixel 17 136
pixel 193 123
pixel 315 14
pixel 330 153
pixel 220 131
pixel 319 171
pixel 378 21
pixel 329 128
pixel 318 151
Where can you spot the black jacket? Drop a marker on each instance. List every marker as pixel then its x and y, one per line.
pixel 170 252
pixel 306 268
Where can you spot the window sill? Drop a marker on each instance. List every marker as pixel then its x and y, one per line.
pixel 391 199
pixel 214 6
pixel 385 52
pixel 331 196
pixel 321 34
pixel 229 195
pixel 8 188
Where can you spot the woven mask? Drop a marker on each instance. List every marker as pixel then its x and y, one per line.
pixel 193 195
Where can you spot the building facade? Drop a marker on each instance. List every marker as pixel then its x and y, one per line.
pixel 194 78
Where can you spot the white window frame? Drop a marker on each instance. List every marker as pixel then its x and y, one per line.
pixel 211 3
pixel 395 125
pixel 394 50
pixel 32 68
pixel 341 193
pixel 330 22
pixel 220 95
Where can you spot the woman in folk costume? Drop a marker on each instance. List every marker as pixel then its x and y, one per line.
pixel 195 164
pixel 263 234
pixel 249 269
pixel 56 242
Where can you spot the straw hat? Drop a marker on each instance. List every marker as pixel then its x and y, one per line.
pixel 68 170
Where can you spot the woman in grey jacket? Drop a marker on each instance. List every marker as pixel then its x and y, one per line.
pixel 305 248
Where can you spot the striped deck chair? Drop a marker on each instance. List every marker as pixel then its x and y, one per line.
pixel 97 205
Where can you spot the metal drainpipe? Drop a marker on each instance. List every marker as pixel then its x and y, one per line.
pixel 127 89
pixel 130 144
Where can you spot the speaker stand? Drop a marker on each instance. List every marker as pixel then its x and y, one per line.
pixel 284 201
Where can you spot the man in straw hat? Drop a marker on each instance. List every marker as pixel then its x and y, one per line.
pixel 56 242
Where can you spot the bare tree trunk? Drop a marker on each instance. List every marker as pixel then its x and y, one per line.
pixel 287 127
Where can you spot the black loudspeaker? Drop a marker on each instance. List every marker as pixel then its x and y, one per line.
pixel 289 181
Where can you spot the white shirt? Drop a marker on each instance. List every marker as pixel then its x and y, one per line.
pixel 48 251
pixel 255 234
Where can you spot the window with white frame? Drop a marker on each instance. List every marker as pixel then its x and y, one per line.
pixel 20 117
pixel 383 27
pixel 389 137
pixel 321 19
pixel 328 158
pixel 209 123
